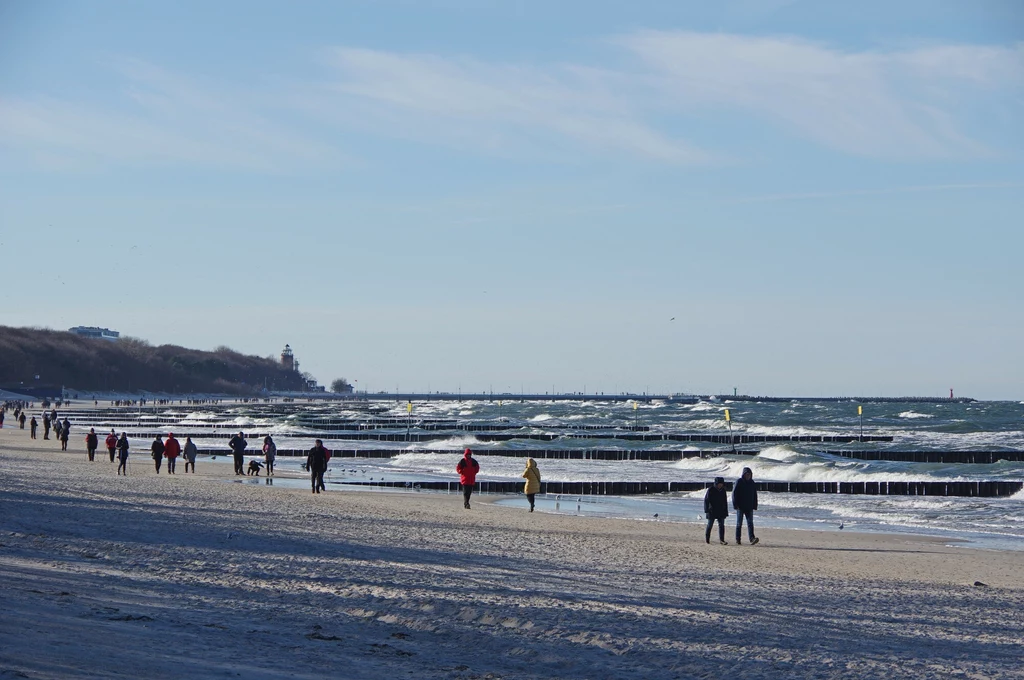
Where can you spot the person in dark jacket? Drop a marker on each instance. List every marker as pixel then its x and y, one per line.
pixel 46 426
pixel 716 507
pixel 467 469
pixel 21 420
pixel 65 434
pixel 122 454
pixel 32 426
pixel 157 449
pixel 744 502
pixel 237 445
pixel 92 442
pixel 316 463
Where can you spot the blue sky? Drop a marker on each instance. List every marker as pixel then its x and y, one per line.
pixel 826 197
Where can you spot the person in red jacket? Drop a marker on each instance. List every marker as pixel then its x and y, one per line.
pixel 467 469
pixel 111 442
pixel 172 449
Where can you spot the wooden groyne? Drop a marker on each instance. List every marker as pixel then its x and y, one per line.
pixel 965 457
pixel 545 454
pixel 941 489
pixel 541 436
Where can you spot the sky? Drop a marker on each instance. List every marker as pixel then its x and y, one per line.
pixel 782 197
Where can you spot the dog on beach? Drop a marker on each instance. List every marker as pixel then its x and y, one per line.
pixel 254 467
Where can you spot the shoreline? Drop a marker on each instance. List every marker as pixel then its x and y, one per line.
pixel 208 579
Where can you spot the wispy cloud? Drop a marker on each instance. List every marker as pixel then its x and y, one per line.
pixel 920 189
pixel 638 104
pixel 155 118
pixel 901 104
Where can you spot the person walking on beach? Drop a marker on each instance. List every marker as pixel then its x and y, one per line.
pixel 532 476
pixel 122 454
pixel 467 469
pixel 32 426
pixel 269 454
pixel 111 442
pixel 157 451
pixel 65 434
pixel 92 442
pixel 744 502
pixel 716 507
pixel 237 445
pixel 316 463
pixel 172 449
pixel 21 420
pixel 190 454
pixel 46 425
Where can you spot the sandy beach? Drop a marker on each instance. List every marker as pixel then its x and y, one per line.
pixel 198 576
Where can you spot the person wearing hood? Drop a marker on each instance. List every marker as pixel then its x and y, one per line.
pixel 190 453
pixel 532 476
pixel 157 451
pixel 716 507
pixel 111 442
pixel 744 502
pixel 269 454
pixel 33 425
pixel 65 433
pixel 172 449
pixel 122 454
pixel 316 463
pixel 92 442
pixel 467 469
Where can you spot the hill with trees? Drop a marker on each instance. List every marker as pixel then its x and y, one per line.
pixel 61 358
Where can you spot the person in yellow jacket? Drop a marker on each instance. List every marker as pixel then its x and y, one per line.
pixel 532 477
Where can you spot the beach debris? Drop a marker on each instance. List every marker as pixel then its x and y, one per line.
pixel 840 526
pixel 980 584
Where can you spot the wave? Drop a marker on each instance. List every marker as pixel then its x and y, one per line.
pixel 914 415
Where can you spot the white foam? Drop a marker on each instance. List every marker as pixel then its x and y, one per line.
pixel 915 414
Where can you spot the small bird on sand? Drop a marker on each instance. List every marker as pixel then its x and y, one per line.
pixel 655 515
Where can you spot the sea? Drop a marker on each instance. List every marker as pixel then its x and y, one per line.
pixel 988 523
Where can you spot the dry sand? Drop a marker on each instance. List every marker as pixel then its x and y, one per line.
pixel 196 576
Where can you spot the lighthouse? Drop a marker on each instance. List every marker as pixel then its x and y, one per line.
pixel 287 358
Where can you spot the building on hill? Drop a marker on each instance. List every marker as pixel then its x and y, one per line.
pixel 288 358
pixel 95 332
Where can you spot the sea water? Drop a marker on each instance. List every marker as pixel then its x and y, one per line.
pixel 946 426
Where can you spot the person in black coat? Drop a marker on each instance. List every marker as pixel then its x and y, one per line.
pixel 157 450
pixel 122 454
pixel 716 507
pixel 744 502
pixel 316 463
pixel 238 445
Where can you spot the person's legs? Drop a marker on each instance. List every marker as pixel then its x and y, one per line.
pixel 467 491
pixel 750 526
pixel 721 530
pixel 320 480
pixel 111 452
pixel 707 532
pixel 157 461
pixel 530 497
pixel 312 477
pixel 739 526
pixel 170 465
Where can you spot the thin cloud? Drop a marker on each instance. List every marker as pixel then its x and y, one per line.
pixel 876 104
pixel 928 188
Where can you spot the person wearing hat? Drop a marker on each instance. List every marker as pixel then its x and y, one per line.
pixel 467 469
pixel 172 449
pixel 744 502
pixel 716 507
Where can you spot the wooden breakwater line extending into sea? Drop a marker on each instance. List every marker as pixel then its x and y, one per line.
pixel 708 438
pixel 944 489
pixel 954 457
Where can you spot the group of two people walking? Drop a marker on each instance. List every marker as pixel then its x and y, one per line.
pixel 468 468
pixel 744 502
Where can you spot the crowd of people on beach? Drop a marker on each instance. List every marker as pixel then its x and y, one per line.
pixel 716 499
